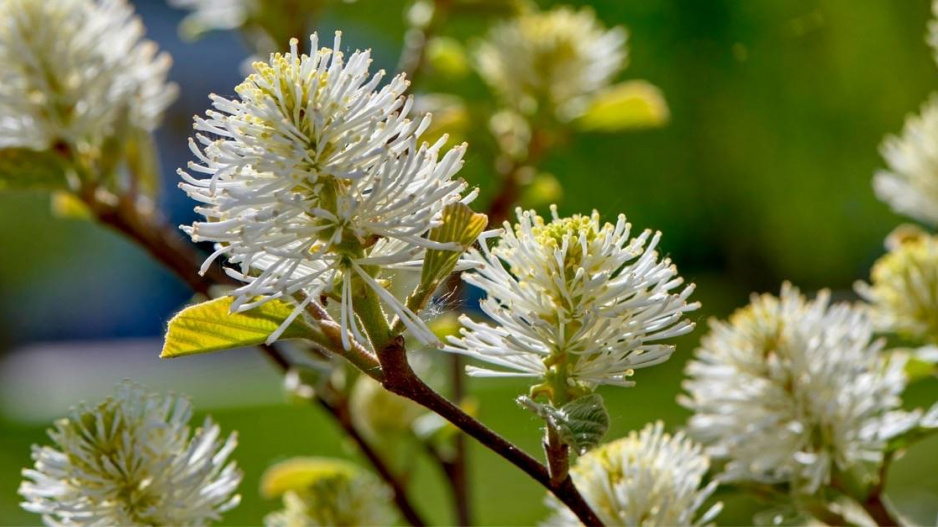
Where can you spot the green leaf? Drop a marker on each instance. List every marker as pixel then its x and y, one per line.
pixel 920 363
pixel 210 326
pixel 581 423
pixel 545 189
pixel 447 57
pixel 300 473
pixel 22 168
pixel 625 106
pixel 460 225
pixel 66 205
pixel 917 369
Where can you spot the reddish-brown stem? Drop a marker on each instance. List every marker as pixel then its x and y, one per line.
pixel 876 507
pixel 871 499
pixel 558 455
pixel 340 412
pixel 459 465
pixel 416 39
pixel 159 239
pixel 399 378
pixel 337 406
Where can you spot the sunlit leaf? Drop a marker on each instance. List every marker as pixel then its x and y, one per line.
pixel 302 472
pixel 917 370
pixel 66 205
pixel 447 57
pixel 545 189
pixel 625 106
pixel 461 226
pixel 210 326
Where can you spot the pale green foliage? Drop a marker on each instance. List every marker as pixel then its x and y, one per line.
pixel 211 326
pixel 903 293
pixel 459 225
pixel 625 106
pixel 581 423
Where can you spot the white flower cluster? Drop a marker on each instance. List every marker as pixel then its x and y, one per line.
pixel 331 492
pixel 317 181
pixel 77 71
pixel 553 59
pixel 647 479
pixel 910 184
pixel 791 390
pixel 903 293
pixel 575 300
pixel 131 460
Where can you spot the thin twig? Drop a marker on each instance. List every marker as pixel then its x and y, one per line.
pixel 158 239
pixel 875 506
pixel 416 39
pixel 400 378
pixel 871 500
pixel 558 455
pixel 337 406
pixel 340 412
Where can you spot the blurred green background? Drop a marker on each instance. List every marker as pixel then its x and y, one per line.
pixel 763 175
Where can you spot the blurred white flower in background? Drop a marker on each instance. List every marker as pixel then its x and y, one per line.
pixel 903 293
pixel 317 181
pixel 646 479
pixel 132 460
pixel 551 61
pixel 910 183
pixel 324 492
pixel 214 14
pixel 791 390
pixel 77 71
pixel 222 15
pixel 573 301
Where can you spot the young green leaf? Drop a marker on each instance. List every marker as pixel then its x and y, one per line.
pixel 626 106
pixel 67 206
pixel 211 326
pixel 22 168
pixel 299 473
pixel 581 423
pixel 460 226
